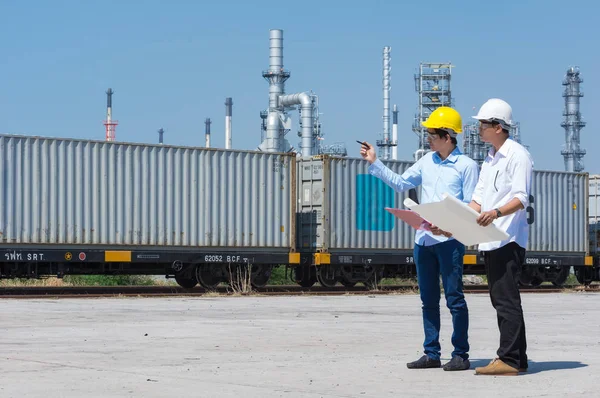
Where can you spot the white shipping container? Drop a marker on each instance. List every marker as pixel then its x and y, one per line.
pixel 343 207
pixel 67 191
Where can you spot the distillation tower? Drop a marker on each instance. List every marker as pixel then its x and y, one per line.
pixel 432 84
pixel 386 143
pixel 572 123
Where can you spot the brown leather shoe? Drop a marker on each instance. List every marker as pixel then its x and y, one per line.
pixel 497 368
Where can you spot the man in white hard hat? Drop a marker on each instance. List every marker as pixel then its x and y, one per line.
pixel 501 197
pixel 443 170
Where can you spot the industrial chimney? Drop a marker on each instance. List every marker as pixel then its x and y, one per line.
pixel 385 144
pixel 395 133
pixel 110 125
pixel 161 132
pixel 207 123
pixel 228 106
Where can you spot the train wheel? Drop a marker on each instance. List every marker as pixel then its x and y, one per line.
pixel 206 277
pixel 260 275
pixel 346 283
pixel 584 275
pixel 185 282
pixel 530 277
pixel 347 278
pixel 560 276
pixel 326 276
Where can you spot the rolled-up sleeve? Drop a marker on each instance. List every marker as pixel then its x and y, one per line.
pixel 411 178
pixel 521 170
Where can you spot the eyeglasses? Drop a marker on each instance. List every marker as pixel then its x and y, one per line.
pixel 485 124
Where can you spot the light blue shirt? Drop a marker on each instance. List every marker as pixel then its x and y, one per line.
pixel 457 175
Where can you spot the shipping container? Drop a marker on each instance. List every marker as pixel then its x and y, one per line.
pixel 594 212
pixel 77 192
pixel 342 207
pixel 559 209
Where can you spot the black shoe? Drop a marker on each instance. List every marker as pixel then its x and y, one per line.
pixel 457 363
pixel 424 363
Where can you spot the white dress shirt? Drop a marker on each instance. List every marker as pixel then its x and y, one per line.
pixel 506 175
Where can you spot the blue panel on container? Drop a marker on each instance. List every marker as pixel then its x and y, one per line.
pixel 372 196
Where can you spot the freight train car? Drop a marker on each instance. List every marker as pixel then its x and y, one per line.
pixel 355 240
pixel 586 275
pixel 211 215
pixel 87 207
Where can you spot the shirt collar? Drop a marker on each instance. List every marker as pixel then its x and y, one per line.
pixel 504 149
pixel 452 158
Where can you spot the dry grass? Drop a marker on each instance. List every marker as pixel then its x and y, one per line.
pixel 239 279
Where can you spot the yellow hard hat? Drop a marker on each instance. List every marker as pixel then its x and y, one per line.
pixel 444 118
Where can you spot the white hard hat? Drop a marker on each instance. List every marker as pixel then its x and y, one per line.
pixel 496 110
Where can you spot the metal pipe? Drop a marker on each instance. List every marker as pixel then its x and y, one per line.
pixel 304 100
pixel 419 153
pixel 276 86
pixel 272 142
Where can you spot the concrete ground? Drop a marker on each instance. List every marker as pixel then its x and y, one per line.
pixel 344 346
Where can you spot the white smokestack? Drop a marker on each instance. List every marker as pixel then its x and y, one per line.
pixel 395 133
pixel 228 106
pixel 207 122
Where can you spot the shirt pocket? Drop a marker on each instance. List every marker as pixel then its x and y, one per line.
pixel 500 181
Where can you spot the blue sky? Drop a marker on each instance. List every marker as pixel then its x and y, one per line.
pixel 173 63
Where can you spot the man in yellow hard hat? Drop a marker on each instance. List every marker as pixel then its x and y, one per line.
pixel 443 170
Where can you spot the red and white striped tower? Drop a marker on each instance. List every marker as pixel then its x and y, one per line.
pixel 111 125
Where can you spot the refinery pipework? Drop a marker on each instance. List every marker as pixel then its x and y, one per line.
pixel 277 120
pixel 572 123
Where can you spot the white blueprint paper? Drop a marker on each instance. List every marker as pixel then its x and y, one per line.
pixel 453 216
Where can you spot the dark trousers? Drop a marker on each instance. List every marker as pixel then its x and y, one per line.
pixel 445 259
pixel 503 267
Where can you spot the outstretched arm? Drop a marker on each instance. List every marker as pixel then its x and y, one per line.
pixel 411 178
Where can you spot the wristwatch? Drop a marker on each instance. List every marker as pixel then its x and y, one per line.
pixel 498 213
